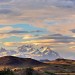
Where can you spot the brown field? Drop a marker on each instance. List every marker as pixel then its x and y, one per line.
pixel 58 66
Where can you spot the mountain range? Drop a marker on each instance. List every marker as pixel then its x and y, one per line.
pixel 32 51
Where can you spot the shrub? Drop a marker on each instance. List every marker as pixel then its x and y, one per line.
pixel 6 72
pixel 29 71
pixel 50 73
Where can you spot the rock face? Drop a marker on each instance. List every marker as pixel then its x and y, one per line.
pixel 39 52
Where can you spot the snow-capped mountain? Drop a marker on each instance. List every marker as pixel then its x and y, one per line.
pixel 38 52
pixel 6 52
pixel 2 50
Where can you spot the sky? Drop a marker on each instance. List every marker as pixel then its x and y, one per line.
pixel 39 22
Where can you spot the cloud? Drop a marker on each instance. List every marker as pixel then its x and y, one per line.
pixel 8 31
pixel 4 36
pixel 58 35
pixel 65 3
pixel 73 30
pixel 17 32
pixel 46 3
pixel 8 43
pixel 8 28
pixel 48 15
pixel 13 44
pixel 62 29
pixel 23 31
pixel 58 38
pixel 5 1
pixel 28 37
pixel 72 47
pixel 5 11
pixel 43 39
pixel 4 31
pixel 22 11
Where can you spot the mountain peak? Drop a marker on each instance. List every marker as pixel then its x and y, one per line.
pixel 44 52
